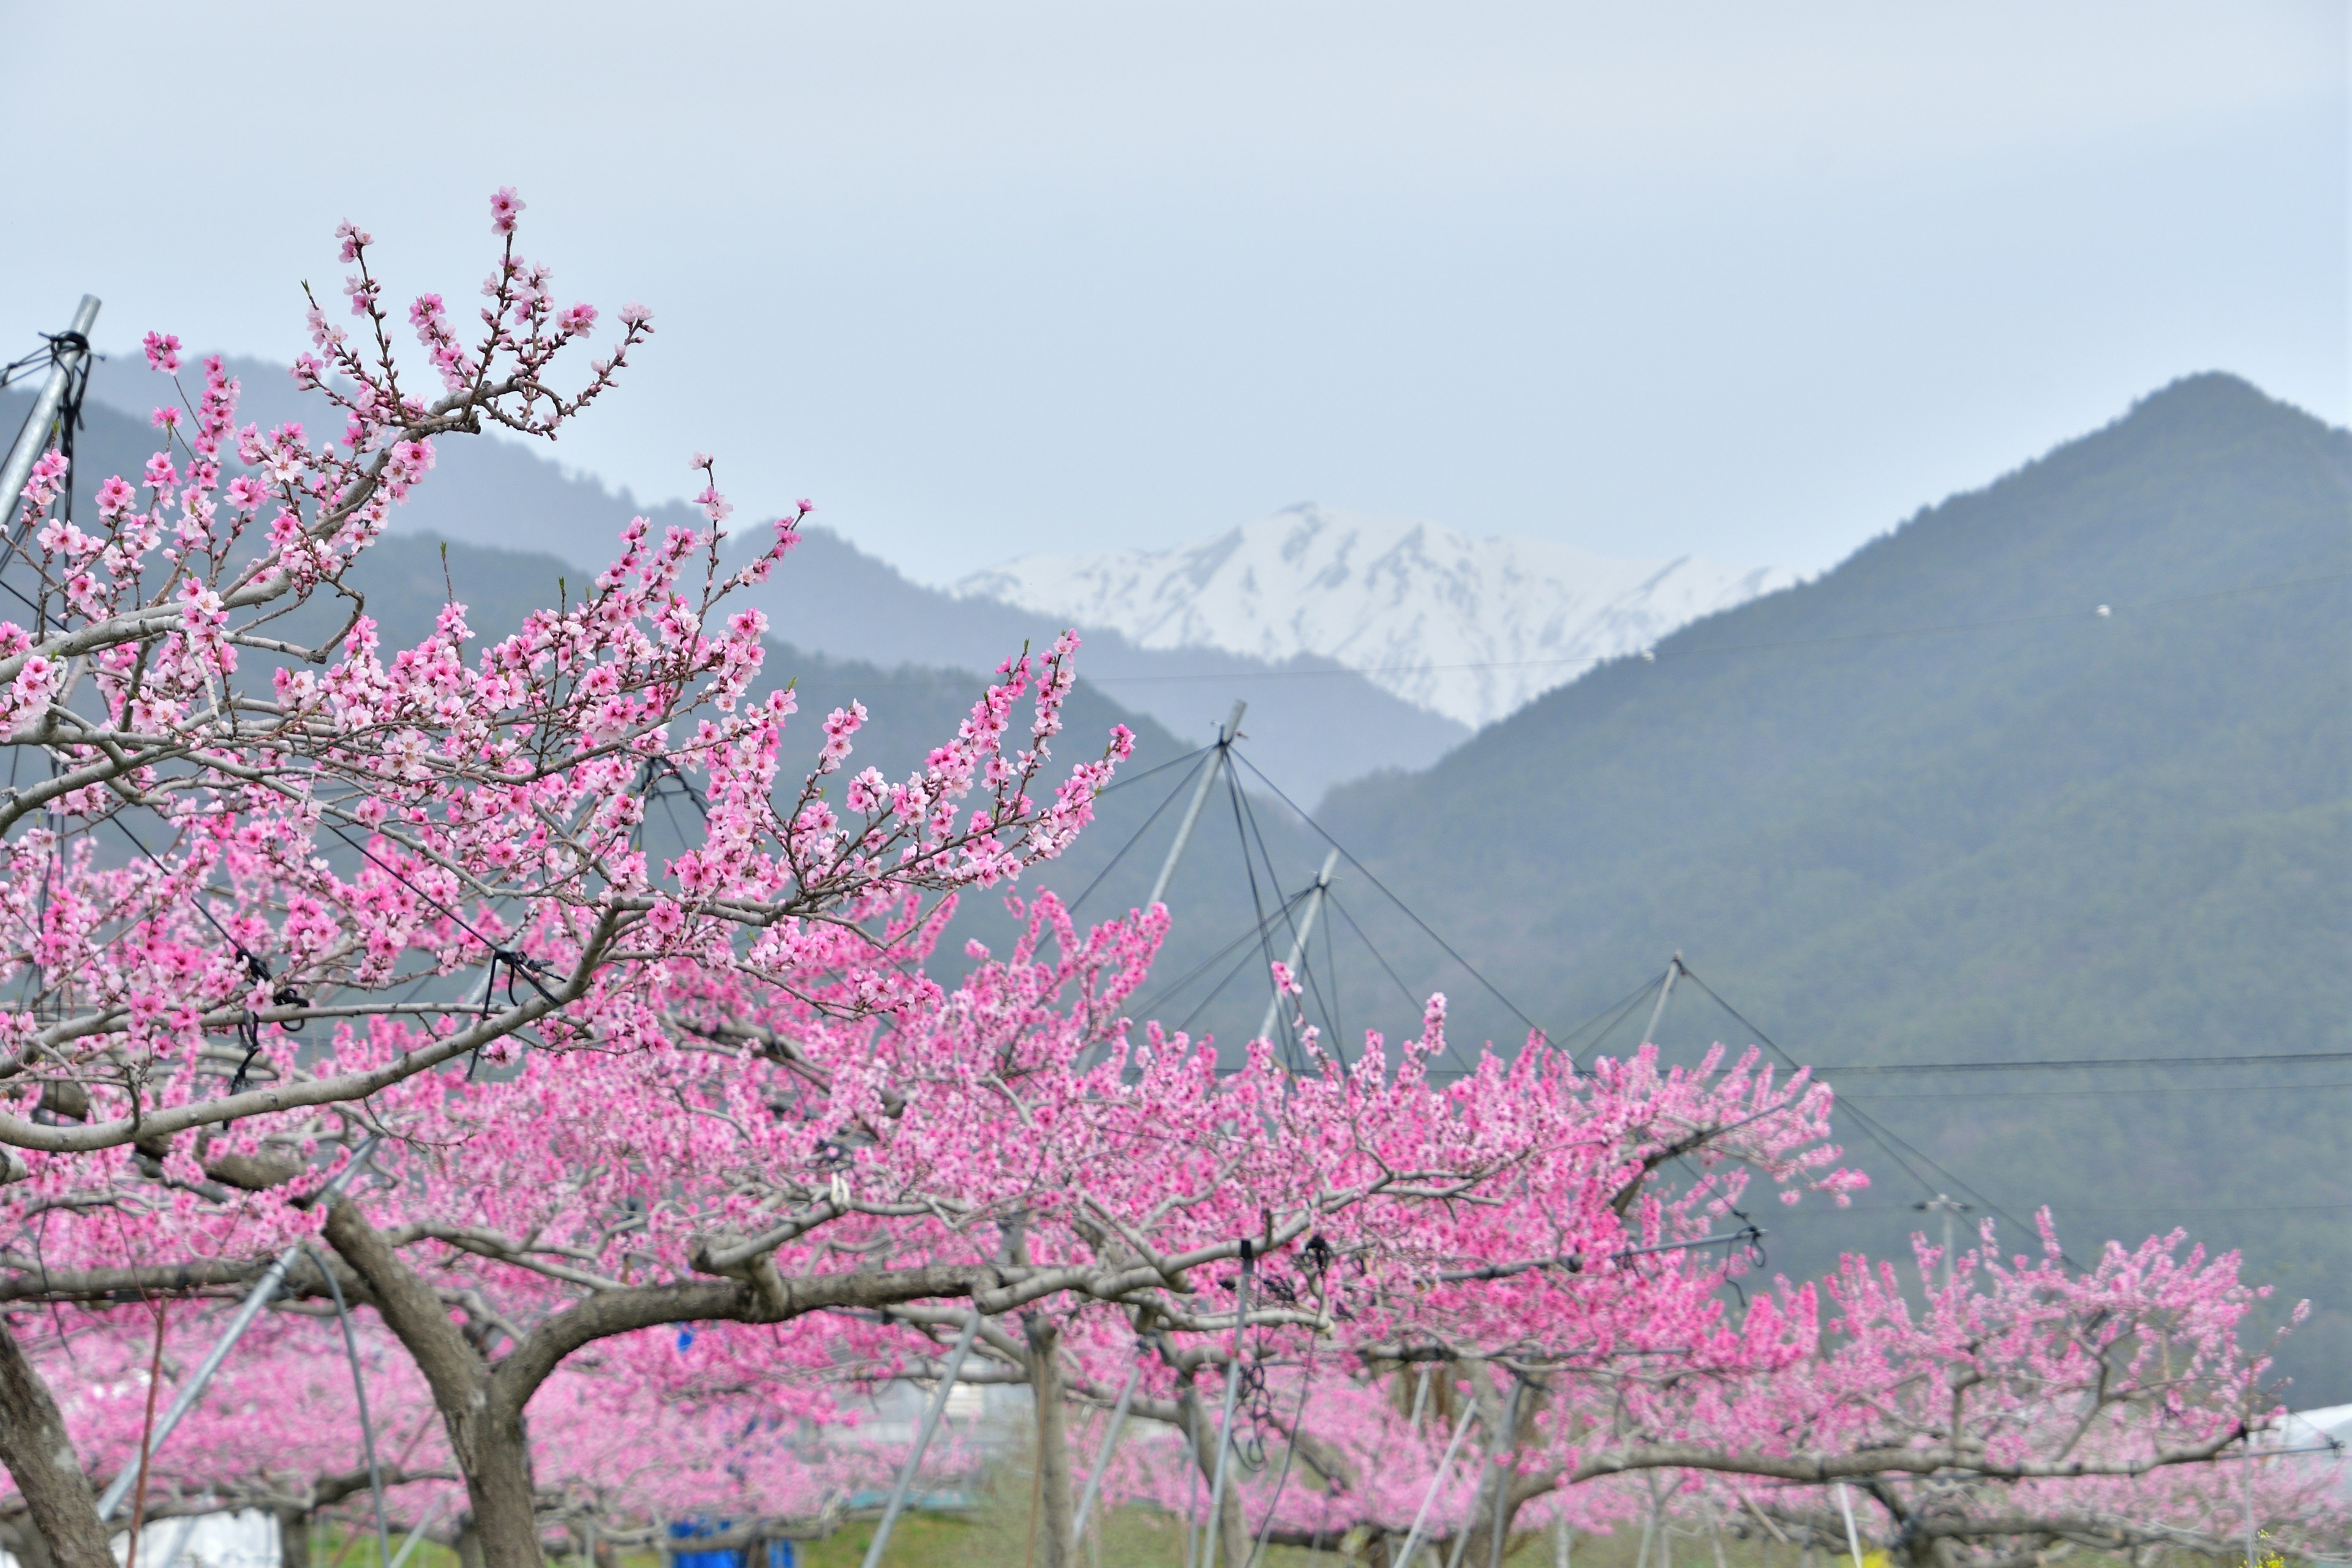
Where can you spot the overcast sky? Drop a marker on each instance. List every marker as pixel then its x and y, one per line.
pixel 1753 281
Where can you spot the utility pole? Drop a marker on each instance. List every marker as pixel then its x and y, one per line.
pixel 1298 942
pixel 1209 776
pixel 1948 1206
pixel 72 353
pixel 1665 990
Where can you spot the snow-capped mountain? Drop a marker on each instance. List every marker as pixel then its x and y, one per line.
pixel 1467 627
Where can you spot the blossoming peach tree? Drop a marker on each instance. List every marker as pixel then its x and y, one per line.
pixel 277 914
pixel 229 862
pixel 661 1425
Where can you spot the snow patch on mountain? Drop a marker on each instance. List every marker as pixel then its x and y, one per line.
pixel 1472 628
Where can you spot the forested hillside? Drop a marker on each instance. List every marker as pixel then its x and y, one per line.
pixel 1935 807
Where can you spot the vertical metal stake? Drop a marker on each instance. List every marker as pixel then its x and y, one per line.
pixel 2250 1501
pixel 1509 1434
pixel 1192 1489
pixel 433 1512
pixel 1852 1537
pixel 34 440
pixel 1665 990
pixel 358 1391
pixel 179 1542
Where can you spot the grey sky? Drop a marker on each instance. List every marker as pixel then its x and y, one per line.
pixel 1748 279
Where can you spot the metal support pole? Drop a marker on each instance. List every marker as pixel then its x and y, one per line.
pixel 1192 1488
pixel 1950 1207
pixel 1445 1468
pixel 1298 942
pixel 1233 1394
pixel 1853 1536
pixel 265 1290
pixel 433 1513
pixel 358 1391
pixel 35 438
pixel 1209 776
pixel 1499 1456
pixel 2252 1561
pixel 1665 990
pixel 1102 1460
pixel 931 1414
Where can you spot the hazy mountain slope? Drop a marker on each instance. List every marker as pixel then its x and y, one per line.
pixel 2053 835
pixel 1468 627
pixel 1321 724
pixel 408 575
pixel 910 709
pixel 1317 725
pixel 490 490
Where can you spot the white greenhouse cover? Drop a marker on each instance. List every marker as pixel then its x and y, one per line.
pixel 247 1540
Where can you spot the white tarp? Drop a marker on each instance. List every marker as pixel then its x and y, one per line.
pixel 247 1540
pixel 2318 1438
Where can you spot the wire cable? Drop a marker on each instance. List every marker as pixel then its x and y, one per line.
pixel 2087 1064
pixel 1389 969
pixel 1266 939
pixel 1885 1136
pixel 1191 756
pixel 358 1391
pixel 1137 836
pixel 2200 1088
pixel 1174 986
pixel 1492 989
pixel 1306 970
pixel 1239 964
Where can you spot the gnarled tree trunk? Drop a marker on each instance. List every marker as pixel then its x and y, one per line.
pixel 486 1430
pixel 39 1453
pixel 293 1538
pixel 1053 1442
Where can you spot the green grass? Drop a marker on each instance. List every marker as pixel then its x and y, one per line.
pixel 995 1534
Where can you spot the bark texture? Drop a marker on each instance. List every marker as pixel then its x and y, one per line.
pixel 22 1541
pixel 1054 1503
pixel 486 1430
pixel 40 1458
pixel 293 1538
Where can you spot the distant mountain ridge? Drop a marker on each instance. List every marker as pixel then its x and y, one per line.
pixel 1472 628
pixel 1318 725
